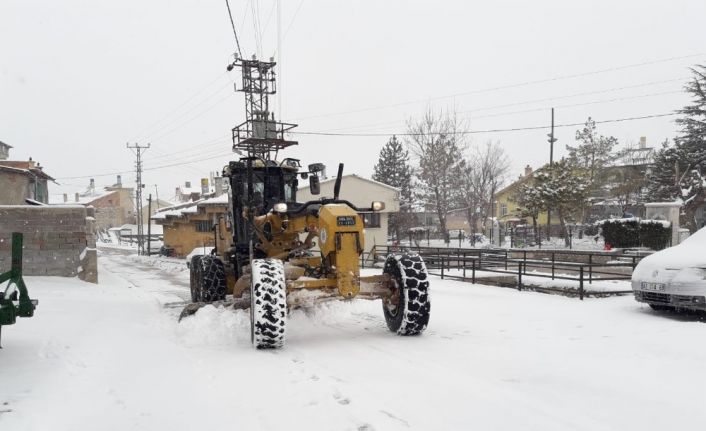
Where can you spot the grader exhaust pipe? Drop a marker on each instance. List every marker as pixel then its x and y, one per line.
pixel 337 186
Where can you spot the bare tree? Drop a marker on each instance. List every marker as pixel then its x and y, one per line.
pixel 436 141
pixel 482 175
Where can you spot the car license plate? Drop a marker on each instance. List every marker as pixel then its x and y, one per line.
pixel 657 287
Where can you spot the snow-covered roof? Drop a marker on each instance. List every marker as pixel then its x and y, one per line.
pixel 85 197
pixel 362 178
pixel 155 229
pixel 219 200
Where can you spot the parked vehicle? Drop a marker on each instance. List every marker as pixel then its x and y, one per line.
pixel 674 278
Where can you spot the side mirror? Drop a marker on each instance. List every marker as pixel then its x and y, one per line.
pixel 314 185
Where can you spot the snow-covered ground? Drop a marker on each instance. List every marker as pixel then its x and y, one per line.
pixel 113 357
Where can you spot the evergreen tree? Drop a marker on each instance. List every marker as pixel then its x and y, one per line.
pixel 662 181
pixel 593 153
pixel 531 201
pixel 692 118
pixel 393 169
pixel 679 171
pixel 563 188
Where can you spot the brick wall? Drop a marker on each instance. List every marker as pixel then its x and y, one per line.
pixel 58 240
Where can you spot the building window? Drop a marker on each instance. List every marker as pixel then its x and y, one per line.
pixel 503 210
pixel 371 219
pixel 203 226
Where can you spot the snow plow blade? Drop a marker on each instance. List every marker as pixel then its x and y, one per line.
pixel 235 304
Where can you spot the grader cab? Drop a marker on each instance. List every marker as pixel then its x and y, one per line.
pixel 283 253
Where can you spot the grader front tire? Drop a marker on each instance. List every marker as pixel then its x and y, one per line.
pixel 408 314
pixel 268 306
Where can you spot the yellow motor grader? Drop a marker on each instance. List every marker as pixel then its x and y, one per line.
pixel 273 252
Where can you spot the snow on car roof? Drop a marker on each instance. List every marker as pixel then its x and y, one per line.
pixel 690 253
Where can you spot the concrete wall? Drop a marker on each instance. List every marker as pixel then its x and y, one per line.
pixel 668 211
pixel 58 241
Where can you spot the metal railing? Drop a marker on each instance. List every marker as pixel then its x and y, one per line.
pixel 582 267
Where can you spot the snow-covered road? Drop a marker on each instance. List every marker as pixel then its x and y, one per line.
pixel 113 357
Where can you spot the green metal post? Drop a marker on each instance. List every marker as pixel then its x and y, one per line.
pixel 26 306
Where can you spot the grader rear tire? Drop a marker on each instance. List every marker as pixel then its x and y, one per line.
pixel 213 276
pixel 268 307
pixel 195 278
pixel 410 315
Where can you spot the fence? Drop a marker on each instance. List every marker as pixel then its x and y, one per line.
pixel 581 266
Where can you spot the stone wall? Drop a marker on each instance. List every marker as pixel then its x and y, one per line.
pixel 58 240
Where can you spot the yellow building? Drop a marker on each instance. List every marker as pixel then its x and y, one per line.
pixel 507 209
pixel 190 225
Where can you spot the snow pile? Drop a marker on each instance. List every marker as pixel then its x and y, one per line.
pixel 214 327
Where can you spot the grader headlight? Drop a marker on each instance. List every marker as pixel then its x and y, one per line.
pixel 378 206
pixel 280 207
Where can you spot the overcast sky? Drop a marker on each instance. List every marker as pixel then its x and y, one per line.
pixel 80 79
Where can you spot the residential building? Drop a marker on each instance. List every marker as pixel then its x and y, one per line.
pixel 361 192
pixel 114 205
pixel 187 193
pixel 157 204
pixel 189 225
pixel 21 182
pixel 508 210
pixel 4 150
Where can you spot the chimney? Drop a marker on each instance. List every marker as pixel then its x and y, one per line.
pixel 120 181
pixel 643 141
pixel 528 170
pixel 204 186
pixel 66 197
pixel 76 197
pixel 187 184
pixel 218 185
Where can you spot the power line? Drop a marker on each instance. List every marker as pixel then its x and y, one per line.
pixel 207 144
pixel 189 99
pixel 502 87
pixel 472 132
pixel 529 102
pixel 182 124
pixel 468 132
pixel 235 33
pixel 149 168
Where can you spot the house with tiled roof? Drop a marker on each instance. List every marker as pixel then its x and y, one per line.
pixel 23 181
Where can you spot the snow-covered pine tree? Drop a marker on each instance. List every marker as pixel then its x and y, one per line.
pixel 593 153
pixel 393 169
pixel 661 182
pixel 691 148
pixel 531 201
pixel 563 188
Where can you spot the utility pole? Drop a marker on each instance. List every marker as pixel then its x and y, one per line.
pixel 149 224
pixel 138 149
pixel 551 141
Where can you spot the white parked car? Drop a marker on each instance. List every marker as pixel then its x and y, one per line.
pixel 674 277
